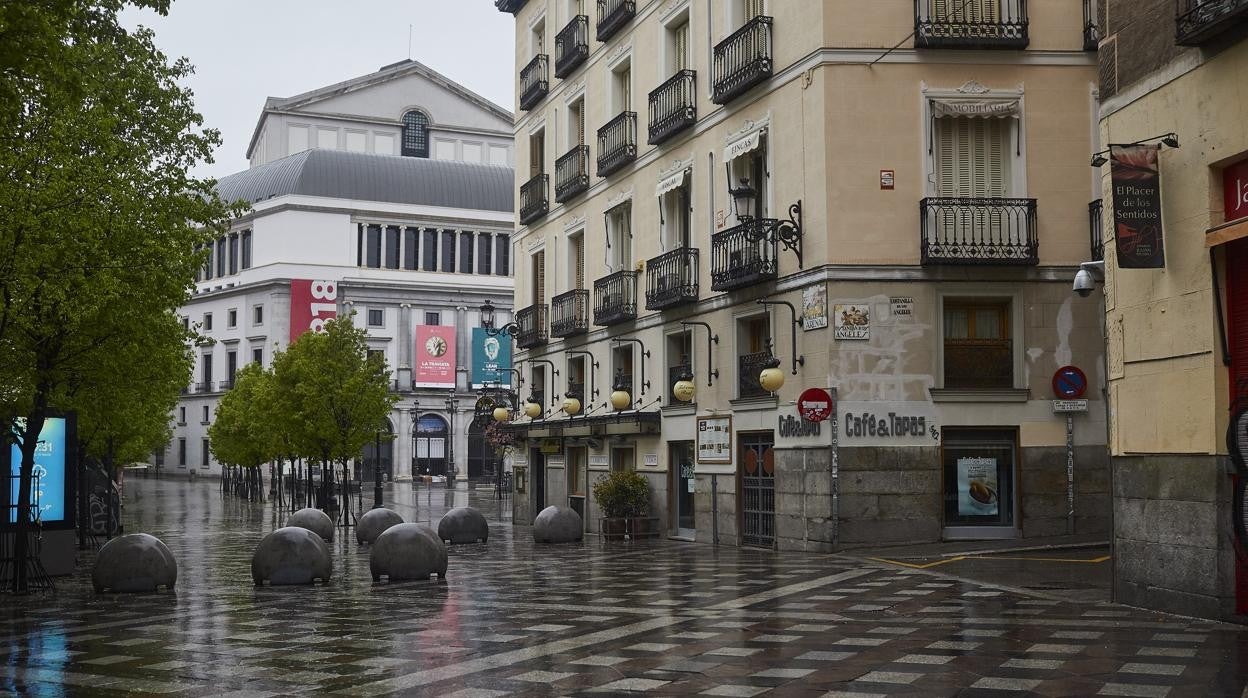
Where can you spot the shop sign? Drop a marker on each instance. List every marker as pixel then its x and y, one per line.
pixel 814 307
pixel 599 461
pixel 549 446
pixel 901 307
pixel 852 321
pixel 1138 234
pixel 312 304
pixel 435 356
pixel 977 487
pixel 901 423
pixel 1235 190
pixel 714 434
pixel 792 431
pixel 815 405
pixel 491 357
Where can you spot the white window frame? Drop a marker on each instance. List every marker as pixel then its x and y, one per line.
pixel 681 14
pixel 368 317
pixel 611 254
pixel 577 231
pixel 533 41
pixel 1018 134
pixel 1013 295
pixel 624 59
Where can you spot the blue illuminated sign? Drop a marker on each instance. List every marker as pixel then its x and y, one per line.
pixel 49 496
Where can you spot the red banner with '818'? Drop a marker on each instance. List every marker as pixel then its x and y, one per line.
pixel 312 304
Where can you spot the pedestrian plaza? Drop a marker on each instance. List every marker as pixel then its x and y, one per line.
pixel 515 618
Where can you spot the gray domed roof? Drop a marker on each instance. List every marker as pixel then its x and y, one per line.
pixel 368 177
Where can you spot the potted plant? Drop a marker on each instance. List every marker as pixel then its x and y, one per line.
pixel 623 497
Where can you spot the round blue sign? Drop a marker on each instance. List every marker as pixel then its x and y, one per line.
pixel 1069 383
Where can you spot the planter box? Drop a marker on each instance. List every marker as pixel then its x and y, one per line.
pixel 631 528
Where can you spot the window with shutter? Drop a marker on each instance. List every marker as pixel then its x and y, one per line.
pixel 624 85
pixel 753 8
pixel 973 157
pixel 576 252
pixel 978 351
pixel 681 54
pixel 620 236
pixel 539 277
pixel 537 153
pixel 969 11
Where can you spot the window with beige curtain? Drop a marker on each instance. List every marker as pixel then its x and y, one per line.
pixel 979 354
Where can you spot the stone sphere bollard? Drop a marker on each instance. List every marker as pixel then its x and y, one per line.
pixel 291 555
pixel 373 523
pixel 463 525
pixel 407 551
pixel 315 521
pixel 557 525
pixel 134 563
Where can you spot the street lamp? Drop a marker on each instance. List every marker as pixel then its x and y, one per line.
pixel 511 329
pixel 786 232
pixel 377 470
pixel 452 406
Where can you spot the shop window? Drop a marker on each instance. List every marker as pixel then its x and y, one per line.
pixel 979 476
pixel 978 350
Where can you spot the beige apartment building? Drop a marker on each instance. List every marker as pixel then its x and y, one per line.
pixel 886 201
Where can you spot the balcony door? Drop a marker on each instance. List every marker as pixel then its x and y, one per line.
pixel 620 237
pixel 539 277
pixel 967 11
pixel 973 157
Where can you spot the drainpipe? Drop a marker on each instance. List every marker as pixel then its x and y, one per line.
pixel 836 473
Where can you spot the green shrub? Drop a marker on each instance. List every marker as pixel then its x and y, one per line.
pixel 624 493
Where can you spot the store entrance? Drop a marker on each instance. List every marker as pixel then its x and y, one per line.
pixel 980 500
pixel 680 462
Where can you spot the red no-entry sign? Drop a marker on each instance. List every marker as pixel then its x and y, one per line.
pixel 815 405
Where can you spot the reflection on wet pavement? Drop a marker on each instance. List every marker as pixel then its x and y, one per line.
pixel 514 618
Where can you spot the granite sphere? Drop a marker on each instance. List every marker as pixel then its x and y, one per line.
pixel 315 521
pixel 407 551
pixel 373 523
pixel 291 555
pixel 134 563
pixel 463 525
pixel 557 525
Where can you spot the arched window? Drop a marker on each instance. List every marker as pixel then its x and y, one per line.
pixel 415 135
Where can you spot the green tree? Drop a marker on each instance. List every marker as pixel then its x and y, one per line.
pixel 336 394
pixel 240 434
pixel 99 217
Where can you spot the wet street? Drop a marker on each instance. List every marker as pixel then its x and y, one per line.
pixel 515 618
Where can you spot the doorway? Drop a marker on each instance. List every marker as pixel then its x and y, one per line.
pixel 980 499
pixel 680 462
pixel 431 433
pixel 758 489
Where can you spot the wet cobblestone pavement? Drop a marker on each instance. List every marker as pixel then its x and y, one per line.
pixel 665 617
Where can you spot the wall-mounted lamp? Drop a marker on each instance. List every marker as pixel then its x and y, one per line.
pixel 684 388
pixel 786 232
pixel 620 398
pixel 1170 140
pixel 711 337
pixel 511 329
pixel 645 354
pixel 798 359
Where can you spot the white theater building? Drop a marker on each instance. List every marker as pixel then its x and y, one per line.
pixel 396 187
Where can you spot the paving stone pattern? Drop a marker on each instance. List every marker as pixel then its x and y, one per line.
pixel 515 618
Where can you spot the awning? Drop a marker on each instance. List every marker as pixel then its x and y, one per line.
pixel 743 145
pixel 1222 234
pixel 671 182
pixel 977 108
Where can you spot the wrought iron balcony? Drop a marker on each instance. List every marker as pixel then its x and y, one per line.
pixel 572 173
pixel 673 106
pixel 744 255
pixel 534 82
pixel 511 6
pixel 743 60
pixel 978 231
pixel 225 385
pixel 571 46
pixel 749 366
pixel 532 324
pixel 613 14
pixel 615 298
pixel 672 279
pixel 569 313
pixel 1091 28
pixel 617 143
pixel 970 24
pixel 1197 21
pixel 1095 231
pixel 534 199
pixel 205 387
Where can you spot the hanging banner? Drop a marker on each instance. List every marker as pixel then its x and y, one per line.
pixel 491 356
pixel 312 304
pixel 1137 206
pixel 1235 190
pixel 435 356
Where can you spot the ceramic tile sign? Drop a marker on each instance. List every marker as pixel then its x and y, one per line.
pixel 851 321
pixel 901 307
pixel 814 307
pixel 977 487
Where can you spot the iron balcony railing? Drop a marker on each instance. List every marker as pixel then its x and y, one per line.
pixel 534 82
pixel 743 256
pixel 534 199
pixel 979 364
pixel 672 279
pixel 1197 21
pixel 511 6
pixel 1091 28
pixel 978 231
pixel 749 366
pixel 743 60
pixel 970 24
pixel 532 324
pixel 617 143
pixel 673 106
pixel 569 313
pixel 674 374
pixel 205 387
pixel 1096 234
pixel 572 173
pixel 225 385
pixel 571 46
pixel 615 298
pixel 613 14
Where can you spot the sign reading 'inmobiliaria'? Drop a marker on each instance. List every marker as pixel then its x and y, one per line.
pixel 1137 206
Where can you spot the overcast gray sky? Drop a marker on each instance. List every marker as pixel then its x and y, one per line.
pixel 246 50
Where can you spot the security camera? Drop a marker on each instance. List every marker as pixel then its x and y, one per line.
pixel 1084 283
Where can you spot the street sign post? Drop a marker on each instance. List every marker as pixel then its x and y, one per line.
pixel 815 405
pixel 1069 384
